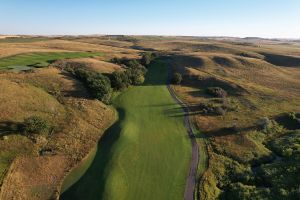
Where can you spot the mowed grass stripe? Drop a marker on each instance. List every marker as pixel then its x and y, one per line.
pixel 41 59
pixel 146 154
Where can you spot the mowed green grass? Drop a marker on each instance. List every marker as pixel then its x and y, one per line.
pixel 146 154
pixel 41 59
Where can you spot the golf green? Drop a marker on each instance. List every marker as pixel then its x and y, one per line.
pixel 146 153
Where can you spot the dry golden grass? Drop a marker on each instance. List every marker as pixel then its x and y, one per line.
pixel 270 91
pixel 33 178
pixel 97 65
pixel 79 123
pixel 60 45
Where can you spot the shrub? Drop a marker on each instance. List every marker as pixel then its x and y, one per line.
pixel 269 126
pixel 136 76
pixel 177 78
pixel 100 87
pixel 36 125
pixel 135 71
pixel 133 64
pixel 216 92
pixel 219 111
pixel 147 58
pixel 98 84
pixel 119 80
pixel 212 109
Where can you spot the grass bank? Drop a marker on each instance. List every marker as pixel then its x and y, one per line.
pixel 146 154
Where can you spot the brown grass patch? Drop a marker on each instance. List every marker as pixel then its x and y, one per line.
pixel 97 65
pixel 32 178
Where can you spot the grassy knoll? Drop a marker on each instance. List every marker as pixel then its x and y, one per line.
pixel 40 59
pixel 146 154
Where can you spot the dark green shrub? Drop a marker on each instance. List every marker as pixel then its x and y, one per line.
pixel 177 78
pixel 36 125
pixel 216 92
pixel 219 111
pixel 211 109
pixel 147 58
pixel 98 84
pixel 100 87
pixel 136 76
pixel 133 64
pixel 119 80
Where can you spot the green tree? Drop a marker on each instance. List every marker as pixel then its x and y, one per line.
pixel 119 80
pixel 98 84
pixel 136 76
pixel 147 58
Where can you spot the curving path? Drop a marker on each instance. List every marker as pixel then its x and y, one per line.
pixel 191 179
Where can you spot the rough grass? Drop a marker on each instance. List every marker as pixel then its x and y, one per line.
pixel 40 59
pixel 23 40
pixel 256 89
pixel 146 154
pixel 78 123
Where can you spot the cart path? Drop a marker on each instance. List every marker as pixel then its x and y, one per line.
pixel 191 179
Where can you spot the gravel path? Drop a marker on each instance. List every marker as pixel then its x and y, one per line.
pixel 191 179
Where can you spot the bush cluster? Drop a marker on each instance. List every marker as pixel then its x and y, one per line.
pixel 211 109
pixel 216 92
pixel 146 59
pixel 98 84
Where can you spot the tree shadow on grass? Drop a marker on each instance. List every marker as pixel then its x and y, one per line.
pixel 193 109
pixel 92 184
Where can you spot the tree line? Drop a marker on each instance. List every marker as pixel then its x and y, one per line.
pixel 101 86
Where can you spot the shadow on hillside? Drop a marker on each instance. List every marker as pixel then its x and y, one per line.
pixel 288 121
pixel 187 61
pixel 223 61
pixel 205 82
pixel 226 131
pixel 282 60
pixel 10 127
pixel 92 183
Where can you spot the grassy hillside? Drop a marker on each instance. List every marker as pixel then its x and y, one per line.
pixel 243 160
pixel 145 155
pixel 76 123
